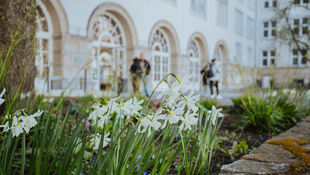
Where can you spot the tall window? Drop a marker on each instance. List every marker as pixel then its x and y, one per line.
pixel 194 63
pixel 44 57
pixel 299 57
pixel 268 57
pixel 238 53
pixel 160 55
pixel 109 43
pixel 238 22
pixel 270 29
pixel 270 3
pixel 301 26
pixel 250 28
pixel 199 7
pixel 222 13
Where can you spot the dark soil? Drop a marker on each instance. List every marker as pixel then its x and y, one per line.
pixel 253 140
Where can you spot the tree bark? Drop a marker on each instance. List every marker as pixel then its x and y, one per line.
pixel 19 16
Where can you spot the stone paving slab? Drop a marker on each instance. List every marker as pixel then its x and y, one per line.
pixel 269 158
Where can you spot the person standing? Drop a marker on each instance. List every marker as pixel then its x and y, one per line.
pixel 135 75
pixel 214 73
pixel 205 79
pixel 146 68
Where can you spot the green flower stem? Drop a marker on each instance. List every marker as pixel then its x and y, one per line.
pixel 23 154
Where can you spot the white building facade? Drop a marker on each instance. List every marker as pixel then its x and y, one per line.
pixel 282 59
pixel 88 46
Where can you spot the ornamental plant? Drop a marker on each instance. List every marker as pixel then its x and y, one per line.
pixel 273 111
pixel 112 137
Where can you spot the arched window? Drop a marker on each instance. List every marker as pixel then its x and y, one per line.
pixel 109 49
pixel 194 63
pixel 218 55
pixel 44 57
pixel 160 55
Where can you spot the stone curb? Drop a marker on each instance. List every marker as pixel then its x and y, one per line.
pixel 269 158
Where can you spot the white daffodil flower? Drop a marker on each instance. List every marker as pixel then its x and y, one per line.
pixel 190 101
pixel 29 121
pixel 185 84
pixel 147 123
pixel 5 126
pixel 214 114
pixel 48 100
pixel 95 141
pixel 171 94
pixel 274 93
pixel 308 93
pixel 17 127
pixel 96 114
pixel 188 120
pixel 103 120
pixel 293 92
pixel 286 91
pixel 132 107
pixel 172 116
pixel 25 95
pixel 2 100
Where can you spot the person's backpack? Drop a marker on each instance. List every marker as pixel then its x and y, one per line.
pixel 209 72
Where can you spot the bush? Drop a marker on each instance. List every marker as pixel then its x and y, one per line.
pixel 271 113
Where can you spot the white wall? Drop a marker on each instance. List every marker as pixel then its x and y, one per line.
pixel 145 14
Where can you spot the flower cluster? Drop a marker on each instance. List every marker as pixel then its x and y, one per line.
pixel 178 109
pixel 102 114
pixel 21 122
pixel 289 92
pixel 271 94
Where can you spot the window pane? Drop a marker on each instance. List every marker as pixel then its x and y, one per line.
pixel 266 4
pixel 305 20
pixel 295 61
pixel 264 62
pixel 303 60
pixel 265 33
pixel 274 23
pixel 265 53
pixel 272 61
pixel 305 30
pixel 273 32
pixel 272 53
pixel 296 30
pixel 265 24
pixel 295 52
pixel 274 4
pixel 296 21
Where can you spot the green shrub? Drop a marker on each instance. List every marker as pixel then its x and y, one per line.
pixel 270 113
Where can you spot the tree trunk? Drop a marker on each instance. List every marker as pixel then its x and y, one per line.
pixel 19 16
